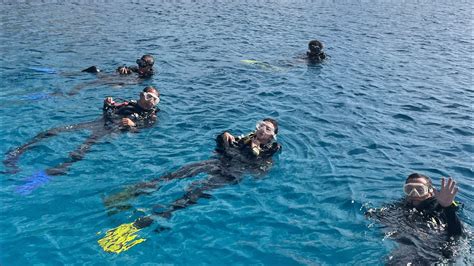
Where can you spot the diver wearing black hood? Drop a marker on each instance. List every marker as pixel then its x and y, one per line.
pixel 315 51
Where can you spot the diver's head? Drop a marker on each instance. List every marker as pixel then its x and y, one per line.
pixel 266 130
pixel 149 98
pixel 417 188
pixel 315 47
pixel 146 61
pixel 145 66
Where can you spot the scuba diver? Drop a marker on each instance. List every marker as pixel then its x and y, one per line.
pixel 313 56
pixel 143 70
pixel 315 52
pixel 424 223
pixel 117 117
pixel 236 156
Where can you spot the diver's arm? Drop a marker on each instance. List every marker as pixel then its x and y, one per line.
pixel 455 227
pixel 445 198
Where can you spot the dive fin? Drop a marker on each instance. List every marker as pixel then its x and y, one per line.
pixel 33 182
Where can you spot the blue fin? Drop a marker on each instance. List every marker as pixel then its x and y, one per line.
pixel 33 182
pixel 37 96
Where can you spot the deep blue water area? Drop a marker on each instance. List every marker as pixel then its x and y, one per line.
pixel 395 96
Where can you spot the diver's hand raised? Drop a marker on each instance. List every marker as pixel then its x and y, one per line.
pixel 446 194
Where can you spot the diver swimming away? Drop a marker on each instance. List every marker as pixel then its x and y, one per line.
pixel 117 117
pixel 236 156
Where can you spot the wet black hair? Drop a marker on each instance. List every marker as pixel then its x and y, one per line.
pixel 416 175
pixel 315 43
pixel 274 123
pixel 150 89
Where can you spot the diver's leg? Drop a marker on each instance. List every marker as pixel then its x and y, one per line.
pixel 13 155
pixel 102 80
pixel 190 170
pixel 197 191
pixel 78 154
pixel 148 187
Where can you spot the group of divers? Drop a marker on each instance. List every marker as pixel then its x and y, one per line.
pixel 425 209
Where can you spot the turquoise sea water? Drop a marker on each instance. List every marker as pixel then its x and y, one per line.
pixel 395 96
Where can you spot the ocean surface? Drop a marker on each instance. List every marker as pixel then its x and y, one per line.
pixel 395 96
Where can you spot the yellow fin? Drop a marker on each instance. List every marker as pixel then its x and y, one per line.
pixel 249 61
pixel 260 64
pixel 120 238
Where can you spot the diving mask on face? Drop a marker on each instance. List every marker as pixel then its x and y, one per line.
pixel 417 189
pixel 142 63
pixel 151 97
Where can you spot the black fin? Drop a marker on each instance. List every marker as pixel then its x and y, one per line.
pixel 92 69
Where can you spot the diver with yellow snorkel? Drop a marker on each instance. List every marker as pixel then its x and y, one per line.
pixel 236 156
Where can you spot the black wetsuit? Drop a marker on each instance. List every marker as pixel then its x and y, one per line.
pixel 315 58
pixel 232 162
pixel 146 72
pixel 243 147
pixel 110 122
pixel 112 80
pixel 130 109
pixel 427 227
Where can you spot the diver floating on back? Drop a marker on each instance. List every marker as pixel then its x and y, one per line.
pixel 236 157
pixel 117 117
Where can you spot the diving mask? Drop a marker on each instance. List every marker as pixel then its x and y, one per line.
pixel 151 97
pixel 142 63
pixel 417 189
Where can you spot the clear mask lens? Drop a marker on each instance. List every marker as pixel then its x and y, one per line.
pixel 151 97
pixel 416 189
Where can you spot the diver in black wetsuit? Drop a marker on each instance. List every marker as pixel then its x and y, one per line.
pixel 315 52
pixel 424 220
pixel 236 156
pixel 117 117
pixel 144 70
